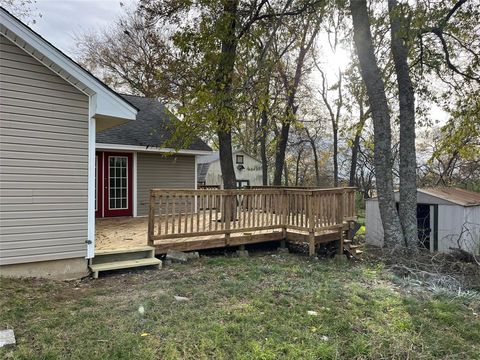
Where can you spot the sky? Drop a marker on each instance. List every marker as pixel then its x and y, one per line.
pixel 61 19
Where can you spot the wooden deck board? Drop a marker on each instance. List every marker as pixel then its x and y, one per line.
pixel 127 232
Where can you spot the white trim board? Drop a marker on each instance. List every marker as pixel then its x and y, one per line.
pixel 91 180
pixel 135 185
pixel 119 147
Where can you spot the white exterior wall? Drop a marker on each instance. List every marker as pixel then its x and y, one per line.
pixel 451 218
pixel 450 221
pixel 472 218
pixel 252 171
pixel 373 223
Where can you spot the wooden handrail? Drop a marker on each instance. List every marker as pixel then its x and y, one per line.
pixel 176 213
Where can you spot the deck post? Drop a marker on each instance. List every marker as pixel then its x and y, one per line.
pixel 311 225
pixel 340 247
pixel 227 217
pixel 151 219
pixel 285 212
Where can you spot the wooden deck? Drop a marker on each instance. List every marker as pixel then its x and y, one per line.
pixel 188 220
pixel 127 232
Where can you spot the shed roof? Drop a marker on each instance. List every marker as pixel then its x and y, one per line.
pixel 455 195
pixel 450 194
pixel 202 170
pixel 153 127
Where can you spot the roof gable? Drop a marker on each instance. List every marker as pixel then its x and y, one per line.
pixel 105 101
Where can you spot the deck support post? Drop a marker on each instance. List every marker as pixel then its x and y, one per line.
pixel 311 243
pixel 283 243
pixel 311 225
pixel 151 219
pixel 227 217
pixel 340 247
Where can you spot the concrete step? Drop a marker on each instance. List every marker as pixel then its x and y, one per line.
pixel 125 264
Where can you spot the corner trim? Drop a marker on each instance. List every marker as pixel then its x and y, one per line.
pixel 134 184
pixel 91 178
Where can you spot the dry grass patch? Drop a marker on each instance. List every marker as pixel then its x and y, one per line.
pixel 239 308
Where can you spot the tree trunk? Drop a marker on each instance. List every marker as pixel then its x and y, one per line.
pixel 282 142
pixel 263 146
pixel 335 130
pixel 372 78
pixel 353 164
pixel 280 155
pixel 335 155
pixel 223 93
pixel 297 166
pixel 311 140
pixel 406 97
pixel 356 146
pixel 285 170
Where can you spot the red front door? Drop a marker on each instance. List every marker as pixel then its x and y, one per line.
pixel 115 182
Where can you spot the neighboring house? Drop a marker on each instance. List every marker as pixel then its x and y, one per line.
pixel 447 218
pixel 131 160
pixel 248 170
pixel 51 110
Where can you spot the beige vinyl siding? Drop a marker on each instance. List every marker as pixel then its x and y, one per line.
pixel 158 171
pixel 43 161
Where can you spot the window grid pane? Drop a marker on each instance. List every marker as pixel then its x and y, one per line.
pixel 118 182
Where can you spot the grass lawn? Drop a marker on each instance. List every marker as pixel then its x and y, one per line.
pixel 239 308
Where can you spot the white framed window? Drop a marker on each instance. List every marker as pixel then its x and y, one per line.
pixel 118 182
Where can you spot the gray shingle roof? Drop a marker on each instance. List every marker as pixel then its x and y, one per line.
pixel 202 170
pixel 153 127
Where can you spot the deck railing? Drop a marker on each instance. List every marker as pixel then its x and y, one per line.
pixel 195 213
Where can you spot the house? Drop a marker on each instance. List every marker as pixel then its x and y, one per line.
pixel 131 159
pixel 447 218
pixel 248 170
pixel 50 162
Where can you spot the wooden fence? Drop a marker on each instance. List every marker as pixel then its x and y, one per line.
pixel 194 213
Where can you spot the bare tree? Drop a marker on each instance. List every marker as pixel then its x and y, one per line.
pixel 334 110
pixel 310 29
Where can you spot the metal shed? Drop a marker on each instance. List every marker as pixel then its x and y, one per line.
pixel 447 218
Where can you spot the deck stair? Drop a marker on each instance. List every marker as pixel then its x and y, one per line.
pixel 123 259
pixel 352 250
